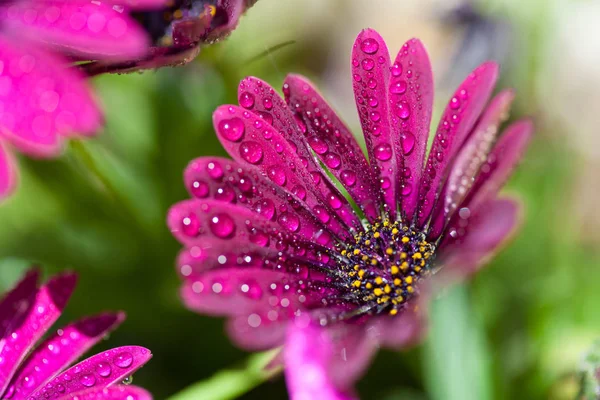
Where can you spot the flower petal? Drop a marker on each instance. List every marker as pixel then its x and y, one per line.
pixel 18 340
pixel 59 351
pixel 252 141
pixel 8 173
pixel 470 159
pixel 117 392
pixel 500 164
pixel 307 353
pixel 40 99
pixel 16 304
pixel 140 4
pixel 192 221
pixel 91 29
pixel 256 332
pixel 411 99
pixel 371 78
pixel 458 119
pixel 227 181
pixel 98 371
pixel 485 234
pixel 263 100
pixel 333 143
pixel 234 10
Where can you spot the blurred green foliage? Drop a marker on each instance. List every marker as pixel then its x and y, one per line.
pixel 516 331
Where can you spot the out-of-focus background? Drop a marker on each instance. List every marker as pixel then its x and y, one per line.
pixel 517 331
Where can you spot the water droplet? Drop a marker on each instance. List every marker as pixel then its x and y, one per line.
pixel 402 109
pixel 369 46
pixel 214 170
pixel 299 191
pixel 128 380
pixel 222 225
pixel 399 87
pixel 123 360
pixel 246 100
pixel 277 175
pixel 385 183
pixel 265 116
pixel 372 83
pixel 289 221
pixel 251 152
pixel 87 380
pixel 103 369
pixel 455 103
pixel 407 140
pixel 28 382
pixel 316 177
pixel 266 208
pixel 334 201
pixel 357 77
pixel 368 64
pixel 199 189
pixel 267 103
pixel 318 145
pixel 373 102
pixel 259 238
pixel 232 129
pixel 190 225
pixel 348 178
pixel 406 189
pixel 252 289
pixel 332 160
pixel 464 213
pixel 383 152
pixel 322 214
pixel 397 70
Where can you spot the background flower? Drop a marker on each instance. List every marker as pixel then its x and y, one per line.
pixel 39 371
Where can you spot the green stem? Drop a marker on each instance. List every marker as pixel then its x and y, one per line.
pixel 86 158
pixel 230 383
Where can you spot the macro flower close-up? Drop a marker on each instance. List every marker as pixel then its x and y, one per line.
pixel 270 236
pixel 32 368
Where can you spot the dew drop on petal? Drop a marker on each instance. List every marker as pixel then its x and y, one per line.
pixel 318 145
pixel 369 46
pixel 231 129
pixel 322 214
pixel 289 221
pixel 222 225
pixel 123 360
pixel 399 87
pixel 199 189
pixel 251 152
pixel 332 160
pixel 383 152
pixel 277 175
pixel 246 100
pixel 87 380
pixel 103 369
pixel 348 178
pixel 397 70
pixel 407 140
pixel 190 225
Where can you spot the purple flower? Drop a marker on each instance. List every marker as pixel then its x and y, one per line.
pixel 42 98
pixel 30 372
pixel 270 236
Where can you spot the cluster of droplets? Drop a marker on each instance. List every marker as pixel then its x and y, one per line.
pixel 84 375
pixel 381 268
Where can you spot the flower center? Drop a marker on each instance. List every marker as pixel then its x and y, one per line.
pixel 382 266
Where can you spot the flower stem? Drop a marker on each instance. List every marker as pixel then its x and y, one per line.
pixel 231 383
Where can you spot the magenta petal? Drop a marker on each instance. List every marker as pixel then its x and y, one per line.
pixel 41 99
pixel 252 141
pixel 117 392
pixel 47 307
pixel 487 231
pixel 140 4
pixel 90 29
pixel 16 304
pixel 230 182
pixel 469 160
pixel 411 99
pixel 256 332
pixel 8 173
pixel 307 353
pixel 405 329
pixel 333 143
pixel 500 164
pixel 257 96
pixel 234 10
pixel 98 371
pixel 459 117
pixel 371 78
pixel 59 351
pixel 240 291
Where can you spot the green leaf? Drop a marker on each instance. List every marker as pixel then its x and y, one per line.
pixel 457 358
pixel 231 383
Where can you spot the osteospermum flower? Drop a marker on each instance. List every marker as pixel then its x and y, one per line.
pixel 35 372
pixel 269 236
pixel 42 98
